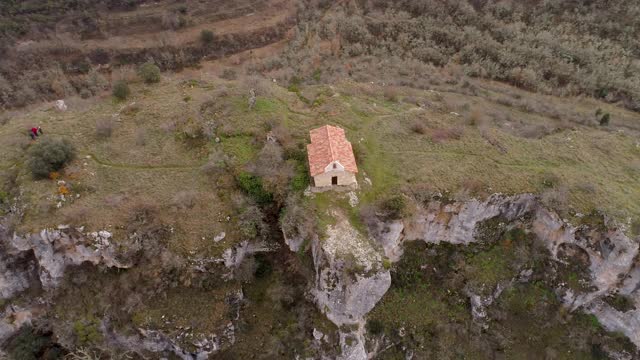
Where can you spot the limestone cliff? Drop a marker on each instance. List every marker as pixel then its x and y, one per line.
pixel 612 255
pixel 350 280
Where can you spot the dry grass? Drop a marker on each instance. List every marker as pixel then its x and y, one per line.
pixel 117 172
pixel 104 128
pixel 440 136
pixel 418 128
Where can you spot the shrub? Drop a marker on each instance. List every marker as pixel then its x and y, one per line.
pixel 144 224
pixel 121 90
pixel 294 84
pixel 556 198
pixel 395 206
pixel 550 180
pixel 149 72
pixel 141 137
pixel 442 135
pixel 418 128
pixel 391 94
pixel 85 93
pixel 173 21
pixel 360 152
pixel 252 185
pixel 245 271
pixel 216 165
pixel 49 155
pixel 87 331
pixel 375 327
pixel 604 120
pixel 301 179
pixel 635 227
pixel 184 200
pixel 30 344
pixel 206 36
pixel 229 74
pixel 475 117
pixel 295 221
pixel 252 224
pixel 620 302
pixel 104 128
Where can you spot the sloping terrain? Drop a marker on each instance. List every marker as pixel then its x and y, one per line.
pixel 80 51
pixel 492 219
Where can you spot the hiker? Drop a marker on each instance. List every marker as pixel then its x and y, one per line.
pixel 34 132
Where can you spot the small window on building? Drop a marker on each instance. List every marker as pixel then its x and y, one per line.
pixel 335 166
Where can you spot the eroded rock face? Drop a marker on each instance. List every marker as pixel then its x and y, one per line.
pixel 350 280
pixel 453 223
pixel 456 223
pixel 294 242
pixel 18 272
pixel 11 320
pixel 610 254
pixel 55 250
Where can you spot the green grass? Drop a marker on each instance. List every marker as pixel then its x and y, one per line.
pixel 598 167
pixel 323 203
pixel 426 299
pixel 204 311
pixel 487 269
pixel 240 148
pixel 266 106
pixel 416 309
pixel 252 185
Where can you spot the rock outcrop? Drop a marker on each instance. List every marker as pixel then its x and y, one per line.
pixel 613 256
pixel 613 269
pixel 55 250
pixel 11 320
pixel 350 280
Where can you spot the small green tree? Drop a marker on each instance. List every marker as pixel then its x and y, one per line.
pixel 87 331
pixel 49 155
pixel 29 344
pixel 252 185
pixel 375 327
pixel 121 90
pixel 206 36
pixel 149 72
pixel 395 206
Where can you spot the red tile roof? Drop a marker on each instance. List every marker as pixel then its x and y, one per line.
pixel 329 144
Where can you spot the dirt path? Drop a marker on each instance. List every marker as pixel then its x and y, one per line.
pixel 105 163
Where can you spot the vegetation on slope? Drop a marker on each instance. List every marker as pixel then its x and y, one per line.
pixel 188 168
pixel 554 47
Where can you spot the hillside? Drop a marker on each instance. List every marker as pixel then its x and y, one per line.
pixel 497 213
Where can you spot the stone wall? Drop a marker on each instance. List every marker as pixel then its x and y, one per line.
pixel 344 178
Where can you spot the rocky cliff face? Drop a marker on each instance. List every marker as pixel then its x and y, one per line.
pixel 349 267
pixel 612 256
pixel 350 280
pixel 40 260
pixel 55 250
pixel 613 266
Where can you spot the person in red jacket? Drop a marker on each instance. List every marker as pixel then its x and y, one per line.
pixel 34 132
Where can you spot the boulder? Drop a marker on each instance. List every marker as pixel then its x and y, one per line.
pixel 60 105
